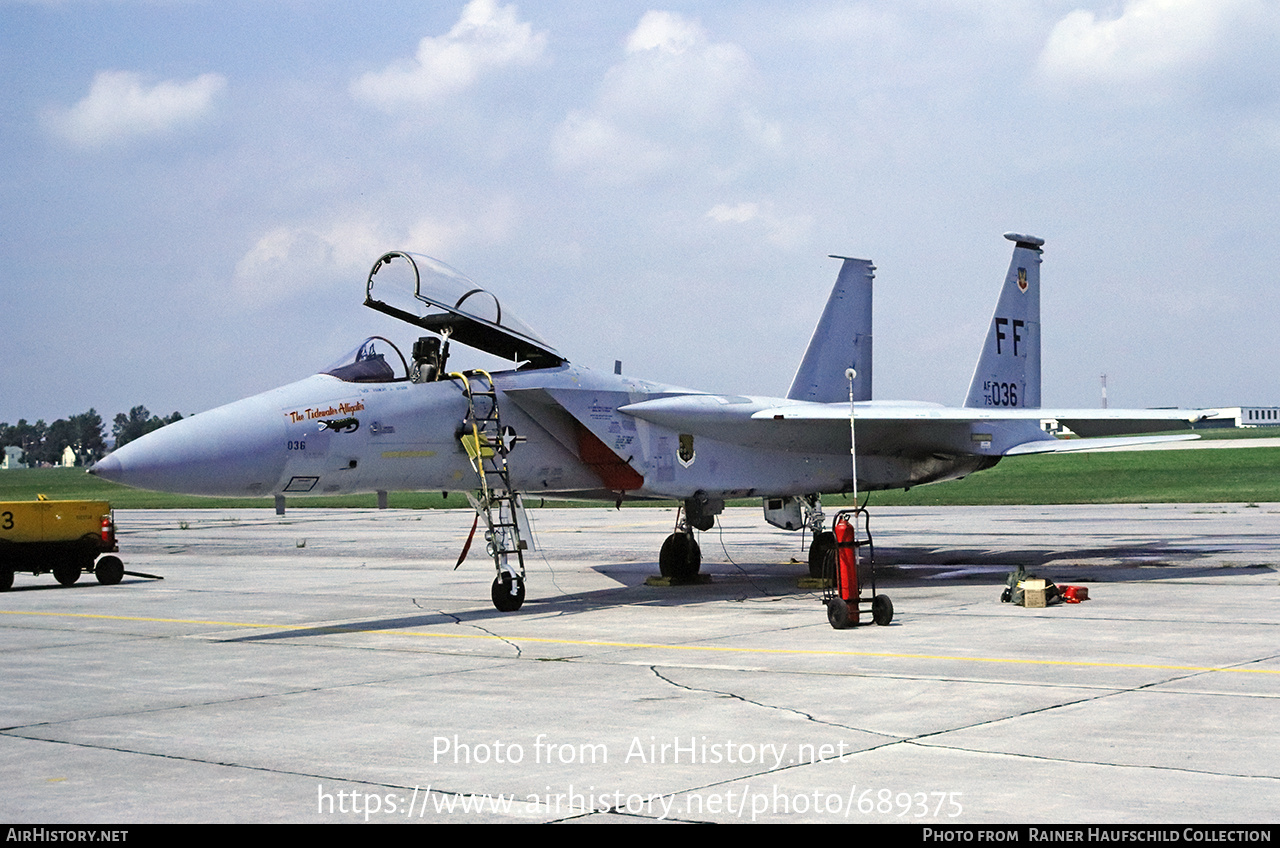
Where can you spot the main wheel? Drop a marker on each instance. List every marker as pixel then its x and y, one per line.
pixel 503 599
pixel 838 614
pixel 680 557
pixel 109 570
pixel 818 548
pixel 67 573
pixel 881 609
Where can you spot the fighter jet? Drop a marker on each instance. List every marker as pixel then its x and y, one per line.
pixel 376 421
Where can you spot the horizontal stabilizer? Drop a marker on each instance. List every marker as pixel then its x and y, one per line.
pixel 1086 445
pixel 892 427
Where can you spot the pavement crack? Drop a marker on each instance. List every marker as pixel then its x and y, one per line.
pixel 802 714
pixel 1100 763
pixel 458 620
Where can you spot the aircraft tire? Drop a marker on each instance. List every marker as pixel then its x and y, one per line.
pixel 680 557
pixel 503 600
pixel 818 548
pixel 881 609
pixel 6 579
pixel 68 572
pixel 838 614
pixel 109 570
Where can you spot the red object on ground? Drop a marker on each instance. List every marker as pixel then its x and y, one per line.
pixel 847 565
pixel 1074 594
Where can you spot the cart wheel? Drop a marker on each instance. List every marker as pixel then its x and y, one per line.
pixel 881 609
pixel 6 579
pixel 838 614
pixel 67 573
pixel 109 570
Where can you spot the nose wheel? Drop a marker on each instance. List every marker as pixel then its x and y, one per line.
pixel 508 593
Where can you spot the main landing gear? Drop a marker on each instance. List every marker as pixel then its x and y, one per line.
pixel 845 567
pixel 680 557
pixel 824 541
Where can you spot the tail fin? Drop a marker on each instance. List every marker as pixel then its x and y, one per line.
pixel 1008 371
pixel 842 340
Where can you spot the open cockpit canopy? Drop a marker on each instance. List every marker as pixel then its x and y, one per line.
pixel 429 294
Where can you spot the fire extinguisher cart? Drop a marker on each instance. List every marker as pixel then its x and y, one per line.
pixel 849 567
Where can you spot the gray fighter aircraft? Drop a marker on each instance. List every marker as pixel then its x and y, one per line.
pixel 378 422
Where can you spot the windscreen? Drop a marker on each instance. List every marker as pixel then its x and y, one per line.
pixel 374 360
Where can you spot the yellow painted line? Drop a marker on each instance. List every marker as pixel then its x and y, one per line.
pixel 590 643
pixel 153 620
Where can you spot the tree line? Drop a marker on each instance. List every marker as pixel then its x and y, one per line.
pixel 85 434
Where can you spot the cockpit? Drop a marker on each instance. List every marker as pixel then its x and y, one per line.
pixel 430 295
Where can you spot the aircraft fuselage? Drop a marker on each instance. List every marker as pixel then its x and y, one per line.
pixel 326 436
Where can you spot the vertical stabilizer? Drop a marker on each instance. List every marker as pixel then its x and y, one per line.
pixel 1008 372
pixel 842 340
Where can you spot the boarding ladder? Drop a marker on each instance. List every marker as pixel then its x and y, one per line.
pixel 507 532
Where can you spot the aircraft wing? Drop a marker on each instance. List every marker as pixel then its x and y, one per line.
pixel 903 428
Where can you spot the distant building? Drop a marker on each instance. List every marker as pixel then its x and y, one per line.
pixel 1246 416
pixel 1226 416
pixel 12 458
pixel 68 457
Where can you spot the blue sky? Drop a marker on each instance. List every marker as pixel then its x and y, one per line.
pixel 193 193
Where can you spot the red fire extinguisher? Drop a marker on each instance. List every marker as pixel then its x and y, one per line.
pixel 847 566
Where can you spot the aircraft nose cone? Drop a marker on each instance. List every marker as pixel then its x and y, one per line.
pixel 108 468
pixel 235 450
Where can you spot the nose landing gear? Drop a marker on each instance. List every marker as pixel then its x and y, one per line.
pixel 507 592
pixel 507 533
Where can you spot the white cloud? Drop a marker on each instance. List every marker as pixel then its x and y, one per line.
pixel 586 141
pixel 294 259
pixel 676 96
pixel 740 213
pixel 486 37
pixel 1151 41
pixel 786 232
pixel 665 31
pixel 311 258
pixel 121 106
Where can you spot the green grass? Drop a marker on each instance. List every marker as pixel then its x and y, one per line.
pixel 1161 476
pixel 23 484
pixel 1244 475
pixel 74 484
